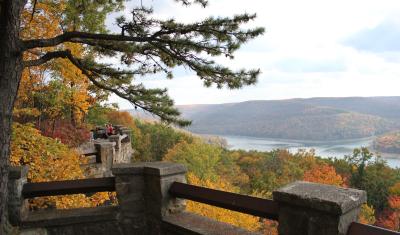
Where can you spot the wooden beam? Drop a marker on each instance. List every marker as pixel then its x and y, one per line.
pixel 246 204
pixel 54 188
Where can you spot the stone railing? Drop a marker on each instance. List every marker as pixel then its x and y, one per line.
pixel 150 201
pixel 102 153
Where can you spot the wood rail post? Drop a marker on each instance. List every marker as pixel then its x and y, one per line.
pixel 17 206
pixel 316 209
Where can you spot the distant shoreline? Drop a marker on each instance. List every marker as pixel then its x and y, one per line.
pixel 293 140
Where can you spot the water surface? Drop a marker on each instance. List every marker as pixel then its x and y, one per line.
pixel 336 149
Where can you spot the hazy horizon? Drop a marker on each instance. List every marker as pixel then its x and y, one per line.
pixel 294 98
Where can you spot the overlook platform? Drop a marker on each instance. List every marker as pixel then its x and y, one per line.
pixel 151 200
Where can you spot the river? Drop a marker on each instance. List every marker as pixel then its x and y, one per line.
pixel 337 149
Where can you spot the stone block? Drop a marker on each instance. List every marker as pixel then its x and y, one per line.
pixel 17 206
pixel 317 209
pixel 128 169
pixel 321 197
pixel 164 168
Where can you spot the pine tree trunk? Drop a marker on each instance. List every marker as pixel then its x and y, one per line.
pixel 11 67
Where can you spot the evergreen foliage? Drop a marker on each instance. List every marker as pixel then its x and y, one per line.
pixel 145 45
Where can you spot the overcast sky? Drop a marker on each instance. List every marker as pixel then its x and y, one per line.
pixel 311 48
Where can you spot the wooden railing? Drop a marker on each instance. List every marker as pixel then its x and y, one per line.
pixel 364 229
pixel 254 206
pixel 246 204
pixel 55 188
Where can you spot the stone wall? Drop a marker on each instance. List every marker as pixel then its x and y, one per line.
pixel 146 207
pixel 102 153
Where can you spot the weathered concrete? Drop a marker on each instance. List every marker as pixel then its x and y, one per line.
pixel 85 221
pixel 17 206
pixel 123 148
pixel 317 209
pixel 191 224
pixel 142 189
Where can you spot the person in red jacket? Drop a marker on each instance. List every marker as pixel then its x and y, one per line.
pixel 110 129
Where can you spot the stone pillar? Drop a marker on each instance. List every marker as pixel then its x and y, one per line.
pixel 129 186
pixel 117 140
pixel 105 156
pixel 317 209
pixel 142 192
pixel 128 132
pixel 17 206
pixel 158 179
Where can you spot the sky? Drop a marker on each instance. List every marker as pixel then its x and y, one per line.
pixel 311 48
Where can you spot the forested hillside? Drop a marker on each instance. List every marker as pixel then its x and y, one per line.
pixel 303 119
pixel 388 143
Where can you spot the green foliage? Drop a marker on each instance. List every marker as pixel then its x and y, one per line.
pixel 156 139
pixel 359 160
pixel 97 115
pixel 201 159
pixel 89 15
pixel 372 174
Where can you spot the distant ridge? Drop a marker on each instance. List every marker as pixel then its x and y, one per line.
pixel 306 119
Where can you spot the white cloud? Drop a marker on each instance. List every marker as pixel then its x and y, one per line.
pixel 301 54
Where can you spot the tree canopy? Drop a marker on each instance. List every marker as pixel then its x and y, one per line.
pixel 48 46
pixel 145 45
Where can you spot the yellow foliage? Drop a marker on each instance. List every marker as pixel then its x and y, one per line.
pixel 49 160
pixel 367 214
pixel 47 24
pixel 249 222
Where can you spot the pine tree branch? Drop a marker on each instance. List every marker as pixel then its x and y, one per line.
pixel 46 58
pixel 68 36
pixel 151 100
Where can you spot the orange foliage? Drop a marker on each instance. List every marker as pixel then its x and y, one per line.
pixel 270 227
pixel 323 174
pixel 121 118
pixel 388 219
pixel 394 202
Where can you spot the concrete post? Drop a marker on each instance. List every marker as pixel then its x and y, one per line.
pixel 317 209
pixel 17 206
pixel 127 132
pixel 142 192
pixel 117 140
pixel 105 156
pixel 158 179
pixel 129 186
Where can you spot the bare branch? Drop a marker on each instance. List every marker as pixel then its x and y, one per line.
pixel 33 9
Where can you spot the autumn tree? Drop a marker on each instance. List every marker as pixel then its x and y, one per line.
pixel 323 174
pixel 45 157
pixel 144 45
